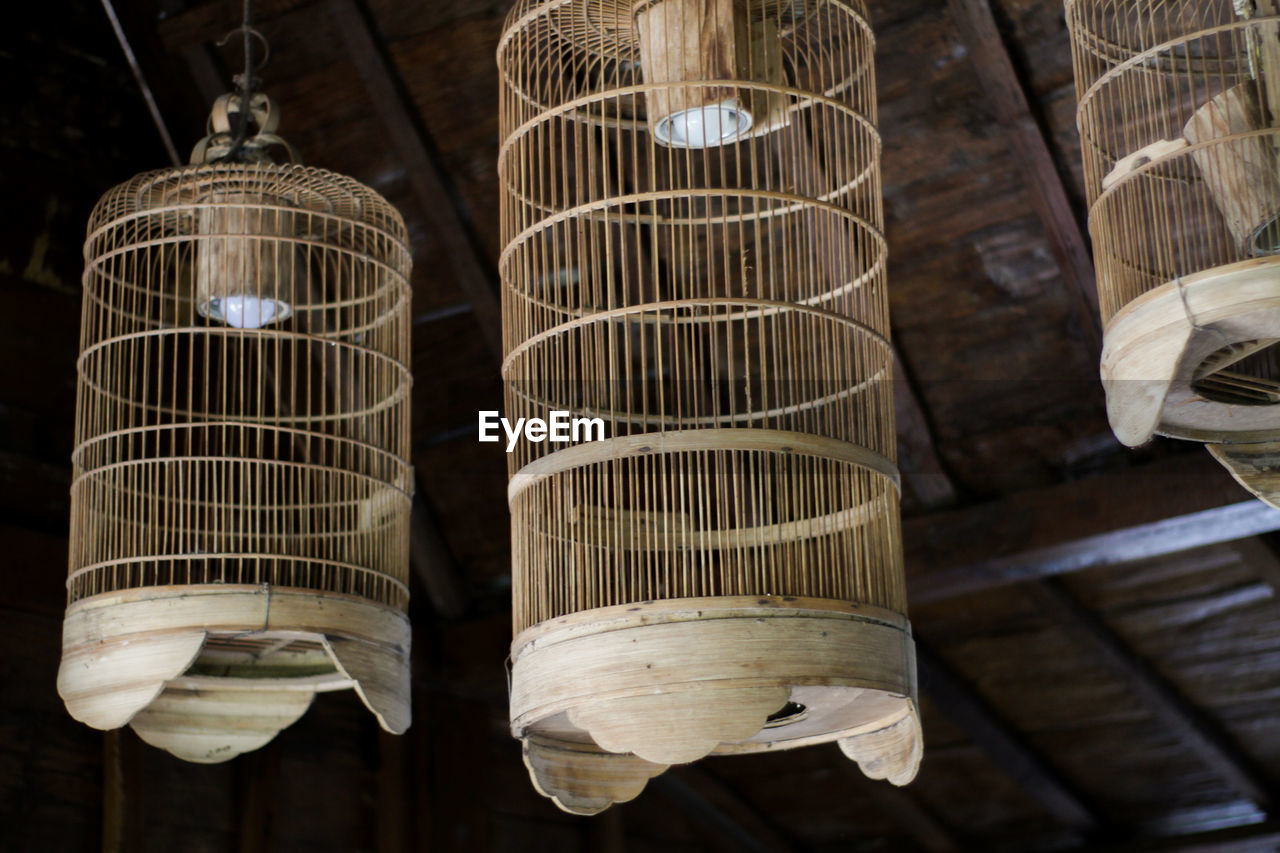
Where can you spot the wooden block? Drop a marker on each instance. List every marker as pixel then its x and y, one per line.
pixel 1239 172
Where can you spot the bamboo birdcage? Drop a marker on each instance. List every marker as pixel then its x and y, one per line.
pixel 1179 117
pixel 241 494
pixel 694 255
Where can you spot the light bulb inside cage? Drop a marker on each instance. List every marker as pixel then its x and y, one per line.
pixel 244 260
pixel 684 46
pixel 702 127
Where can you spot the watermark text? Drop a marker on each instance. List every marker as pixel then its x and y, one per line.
pixel 560 428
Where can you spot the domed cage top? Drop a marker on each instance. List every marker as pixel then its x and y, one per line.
pixel 242 490
pixel 1179 118
pixel 693 278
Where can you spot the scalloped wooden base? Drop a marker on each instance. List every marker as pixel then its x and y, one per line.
pixel 606 699
pixel 210 672
pixel 1157 346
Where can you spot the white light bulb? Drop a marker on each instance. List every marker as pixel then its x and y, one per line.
pixel 246 312
pixel 704 127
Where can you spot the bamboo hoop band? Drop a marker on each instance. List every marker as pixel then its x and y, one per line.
pixel 683 441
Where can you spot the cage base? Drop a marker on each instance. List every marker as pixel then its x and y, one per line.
pixel 667 682
pixel 1156 347
pixel 209 673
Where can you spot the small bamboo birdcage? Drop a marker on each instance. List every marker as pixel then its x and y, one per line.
pixel 1179 117
pixel 241 495
pixel 694 255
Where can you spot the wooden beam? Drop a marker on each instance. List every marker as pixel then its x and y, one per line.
pixel 394 786
pixel 1192 727
pixel 922 470
pixel 433 563
pixel 1253 838
pixel 121 792
pixel 604 833
pixel 255 776
pixel 1006 749
pixel 1173 504
pixel 1261 554
pixel 708 801
pixel 1009 107
pixel 904 810
pixel 204 71
pixel 426 174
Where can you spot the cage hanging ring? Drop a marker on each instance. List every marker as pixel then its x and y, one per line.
pixel 253 31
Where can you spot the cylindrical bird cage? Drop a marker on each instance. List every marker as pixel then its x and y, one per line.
pixel 1179 117
pixel 241 494
pixel 694 256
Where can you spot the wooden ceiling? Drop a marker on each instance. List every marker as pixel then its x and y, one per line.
pixel 1099 628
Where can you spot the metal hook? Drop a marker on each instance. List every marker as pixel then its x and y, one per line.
pixel 253 31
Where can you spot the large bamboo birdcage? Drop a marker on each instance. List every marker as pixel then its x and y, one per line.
pixel 1179 117
pixel 694 255
pixel 241 493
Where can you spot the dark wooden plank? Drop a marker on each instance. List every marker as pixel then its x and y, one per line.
pixel 1193 728
pixel 121 792
pixel 460 772
pixel 1163 507
pixel 709 802
pixel 426 173
pixel 1262 554
pixel 604 833
pixel 434 564
pixel 204 71
pixel 1006 749
pixel 394 771
pixel 1254 838
pixel 922 470
pixel 256 774
pixel 905 811
pixel 1008 103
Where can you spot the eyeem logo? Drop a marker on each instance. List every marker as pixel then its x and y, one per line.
pixel 562 428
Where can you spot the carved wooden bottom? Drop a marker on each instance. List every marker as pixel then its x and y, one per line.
pixel 1167 356
pixel 210 673
pixel 605 699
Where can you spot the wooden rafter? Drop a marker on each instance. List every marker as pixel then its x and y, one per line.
pixel 1263 556
pixel 1192 726
pixel 1009 106
pixel 922 470
pixel 121 792
pixel 1173 504
pixel 708 801
pixel 964 707
pixel 255 779
pixel 1253 838
pixel 902 807
pixel 434 564
pixel 426 173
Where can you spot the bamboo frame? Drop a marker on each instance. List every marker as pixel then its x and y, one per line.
pixel 720 304
pixel 1179 117
pixel 242 490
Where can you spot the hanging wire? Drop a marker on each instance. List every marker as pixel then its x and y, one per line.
pixel 245 83
pixel 152 107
